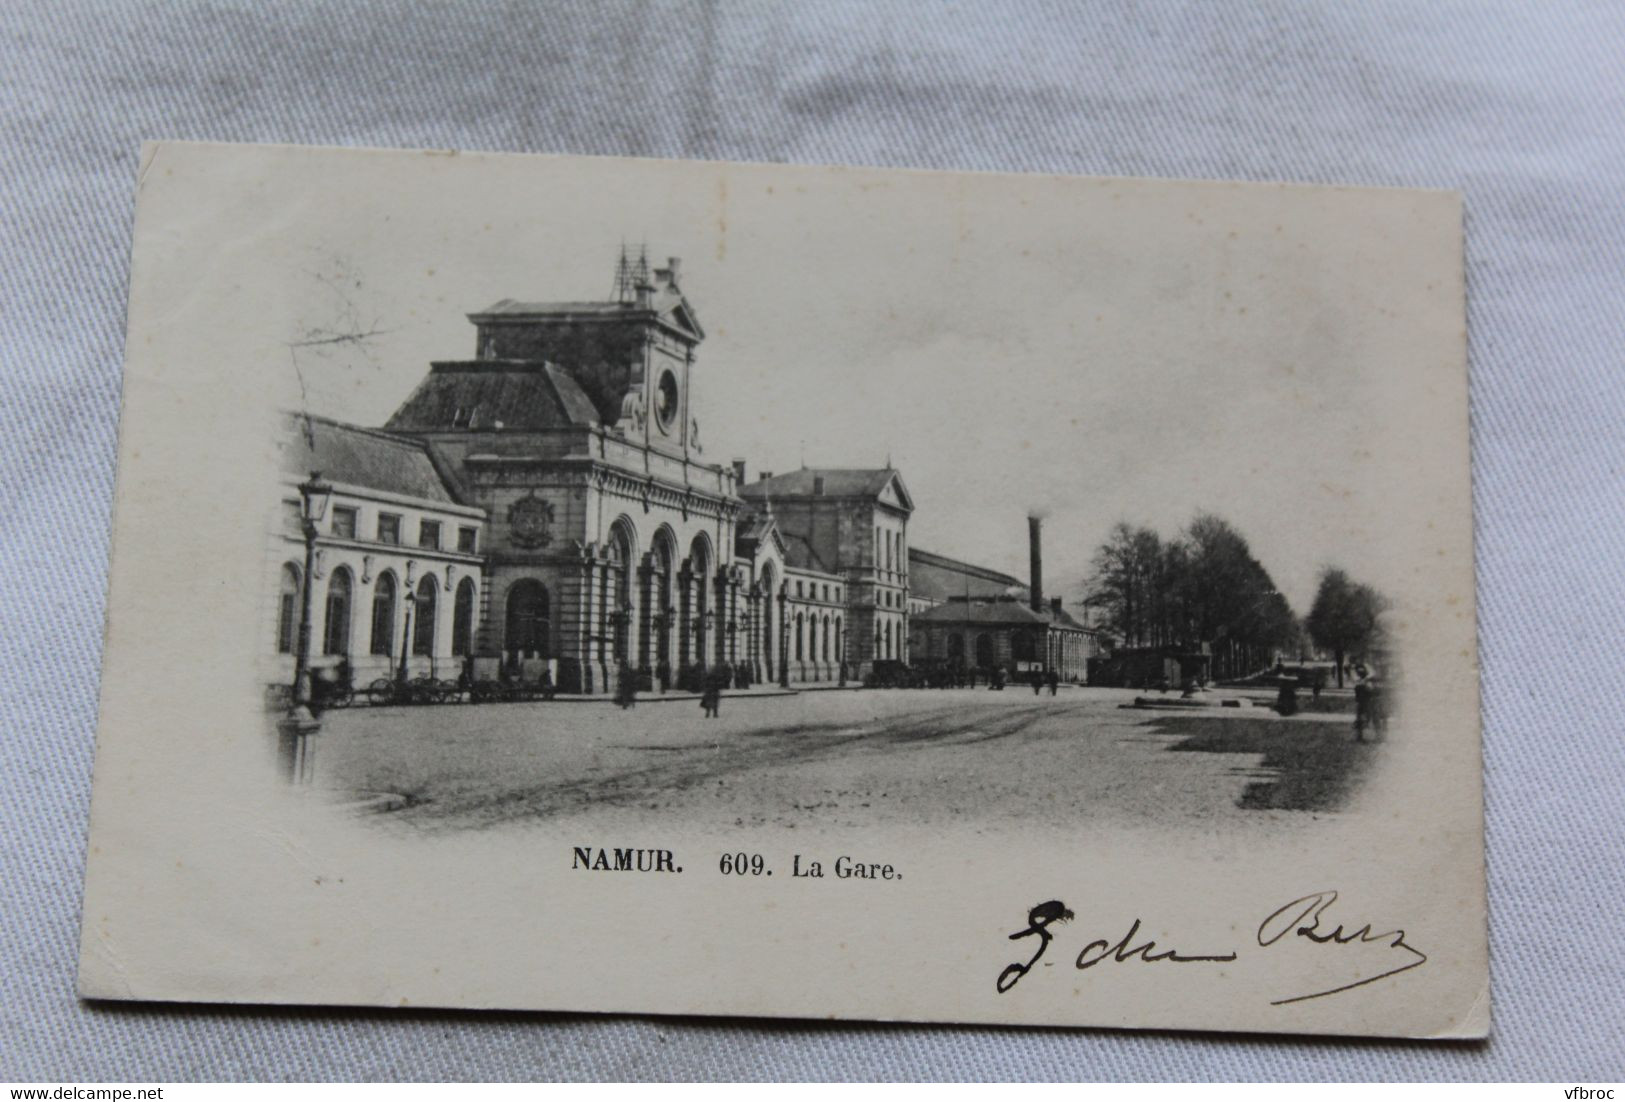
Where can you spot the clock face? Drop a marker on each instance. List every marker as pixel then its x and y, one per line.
pixel 666 400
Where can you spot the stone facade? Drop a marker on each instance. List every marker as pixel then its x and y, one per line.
pixel 564 466
pixel 398 566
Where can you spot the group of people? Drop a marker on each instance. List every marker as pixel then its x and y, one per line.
pixel 1370 706
pixel 1041 678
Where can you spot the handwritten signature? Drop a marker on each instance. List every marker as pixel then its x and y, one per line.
pixel 1303 917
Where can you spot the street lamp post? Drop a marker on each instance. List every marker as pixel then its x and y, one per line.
pixel 296 727
pixel 406 627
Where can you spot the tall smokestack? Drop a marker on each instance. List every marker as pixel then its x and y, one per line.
pixel 1035 561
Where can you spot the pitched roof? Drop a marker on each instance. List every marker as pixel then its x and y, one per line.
pixel 754 525
pixel 939 578
pixel 362 457
pixel 835 482
pixel 999 611
pixel 470 395
pixel 800 554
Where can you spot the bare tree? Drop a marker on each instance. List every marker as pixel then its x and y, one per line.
pixel 339 327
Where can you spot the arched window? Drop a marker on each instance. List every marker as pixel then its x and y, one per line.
pixel 528 622
pixel 383 615
pixel 984 650
pixel 423 629
pixel 800 632
pixel 462 619
pixel 956 649
pixel 287 609
pixel 840 649
pixel 826 638
pixel 336 635
pixel 1021 646
pixel 888 639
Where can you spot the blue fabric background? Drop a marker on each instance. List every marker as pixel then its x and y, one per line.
pixel 1521 105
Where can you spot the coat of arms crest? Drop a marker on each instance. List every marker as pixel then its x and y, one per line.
pixel 530 522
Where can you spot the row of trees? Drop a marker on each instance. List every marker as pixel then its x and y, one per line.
pixel 1204 586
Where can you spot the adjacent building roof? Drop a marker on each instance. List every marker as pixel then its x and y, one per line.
pixel 830 482
pixel 363 457
pixel 518 395
pixel 938 578
pixel 799 553
pixel 999 612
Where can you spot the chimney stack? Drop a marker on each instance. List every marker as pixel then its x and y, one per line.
pixel 763 476
pixel 739 471
pixel 1035 561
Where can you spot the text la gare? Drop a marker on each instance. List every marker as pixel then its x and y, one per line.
pixel 844 868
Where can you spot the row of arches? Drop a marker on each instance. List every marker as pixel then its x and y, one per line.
pixel 333 617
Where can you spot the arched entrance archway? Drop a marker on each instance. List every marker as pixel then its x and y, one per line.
pixel 528 622
pixel 336 628
pixel 287 612
pixel 462 620
pixel 694 598
pixel 984 650
pixel 618 610
pixel 426 612
pixel 383 615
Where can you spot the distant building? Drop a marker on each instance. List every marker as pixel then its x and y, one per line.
pixel 935 578
pixel 993 623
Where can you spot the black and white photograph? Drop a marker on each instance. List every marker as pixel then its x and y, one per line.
pixel 539 525
pixel 1069 578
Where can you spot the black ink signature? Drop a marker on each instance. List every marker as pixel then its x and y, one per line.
pixel 1038 921
pixel 1121 952
pixel 1303 917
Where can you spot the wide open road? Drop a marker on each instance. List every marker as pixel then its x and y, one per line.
pixel 827 759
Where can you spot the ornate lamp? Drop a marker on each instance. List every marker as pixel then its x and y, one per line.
pixel 411 598
pixel 299 724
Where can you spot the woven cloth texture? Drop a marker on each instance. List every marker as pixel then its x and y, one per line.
pixel 1520 105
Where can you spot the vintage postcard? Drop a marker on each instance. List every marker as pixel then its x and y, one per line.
pixel 684 588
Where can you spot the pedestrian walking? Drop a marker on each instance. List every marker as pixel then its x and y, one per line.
pixel 626 689
pixel 1367 703
pixel 711 698
pixel 1054 679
